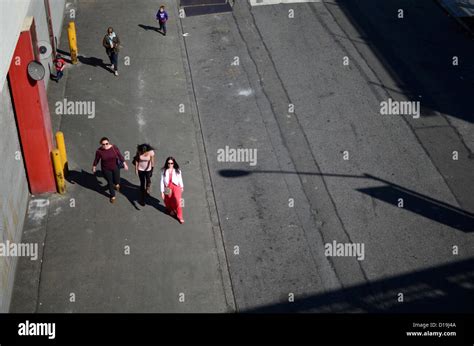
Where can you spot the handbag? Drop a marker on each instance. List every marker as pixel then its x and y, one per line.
pixel 120 163
pixel 168 192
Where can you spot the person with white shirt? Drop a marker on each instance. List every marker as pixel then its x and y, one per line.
pixel 172 187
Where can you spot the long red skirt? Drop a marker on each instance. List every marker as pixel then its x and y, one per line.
pixel 173 203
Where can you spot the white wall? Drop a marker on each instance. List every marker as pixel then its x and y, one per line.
pixel 12 13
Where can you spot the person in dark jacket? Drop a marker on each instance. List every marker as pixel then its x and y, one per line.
pixel 108 154
pixel 111 43
pixel 162 17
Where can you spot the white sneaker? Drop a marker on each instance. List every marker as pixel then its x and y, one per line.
pixel 116 73
pixel 112 66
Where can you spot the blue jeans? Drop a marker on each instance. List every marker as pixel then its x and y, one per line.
pixel 59 75
pixel 113 59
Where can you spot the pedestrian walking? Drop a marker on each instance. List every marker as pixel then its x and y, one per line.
pixel 162 17
pixel 172 188
pixel 111 162
pixel 59 65
pixel 144 162
pixel 111 42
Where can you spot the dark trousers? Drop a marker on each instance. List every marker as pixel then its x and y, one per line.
pixel 59 75
pixel 113 56
pixel 113 178
pixel 163 26
pixel 145 179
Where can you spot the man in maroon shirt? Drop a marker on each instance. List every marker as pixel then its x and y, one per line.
pixel 108 154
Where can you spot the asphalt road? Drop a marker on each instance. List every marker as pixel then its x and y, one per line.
pixel 335 168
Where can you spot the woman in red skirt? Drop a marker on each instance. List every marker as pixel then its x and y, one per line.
pixel 172 188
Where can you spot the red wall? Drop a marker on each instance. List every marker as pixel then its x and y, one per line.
pixel 32 115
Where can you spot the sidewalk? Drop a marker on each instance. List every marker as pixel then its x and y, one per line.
pixel 85 262
pixel 462 11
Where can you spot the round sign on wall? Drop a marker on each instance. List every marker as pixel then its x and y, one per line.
pixel 36 70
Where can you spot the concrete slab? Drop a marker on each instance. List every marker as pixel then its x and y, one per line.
pixel 100 257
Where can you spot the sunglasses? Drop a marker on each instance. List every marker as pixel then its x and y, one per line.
pixel 105 143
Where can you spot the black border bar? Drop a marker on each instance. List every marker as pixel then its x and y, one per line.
pixel 219 329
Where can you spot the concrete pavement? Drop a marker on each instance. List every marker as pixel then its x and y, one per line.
pixel 329 166
pixel 99 257
pixel 290 97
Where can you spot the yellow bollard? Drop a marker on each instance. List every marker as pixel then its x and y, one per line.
pixel 58 172
pixel 61 145
pixel 71 33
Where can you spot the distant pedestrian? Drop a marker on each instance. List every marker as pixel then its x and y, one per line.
pixel 162 17
pixel 172 188
pixel 59 65
pixel 144 162
pixel 111 42
pixel 111 162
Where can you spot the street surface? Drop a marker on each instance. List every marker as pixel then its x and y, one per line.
pixel 329 166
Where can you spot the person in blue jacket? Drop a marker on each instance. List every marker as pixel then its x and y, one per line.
pixel 162 18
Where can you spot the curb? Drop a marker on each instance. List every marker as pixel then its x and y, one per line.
pixel 214 215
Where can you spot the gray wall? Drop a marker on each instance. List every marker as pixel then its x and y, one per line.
pixel 14 192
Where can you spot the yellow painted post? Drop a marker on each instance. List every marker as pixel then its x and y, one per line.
pixel 61 145
pixel 58 172
pixel 71 33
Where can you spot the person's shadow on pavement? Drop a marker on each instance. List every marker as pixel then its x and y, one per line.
pixel 88 180
pixel 92 61
pixel 130 191
pixel 148 27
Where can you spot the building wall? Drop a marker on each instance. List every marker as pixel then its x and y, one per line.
pixel 14 191
pixel 38 11
pixel 12 13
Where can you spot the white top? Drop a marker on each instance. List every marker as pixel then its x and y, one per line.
pixel 144 163
pixel 176 179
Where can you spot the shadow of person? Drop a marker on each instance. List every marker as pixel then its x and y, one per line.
pixel 148 27
pixel 92 61
pixel 155 203
pixel 88 180
pixel 132 193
